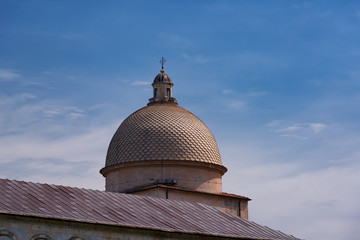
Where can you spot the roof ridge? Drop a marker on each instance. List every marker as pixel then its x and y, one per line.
pixel 50 184
pixel 187 190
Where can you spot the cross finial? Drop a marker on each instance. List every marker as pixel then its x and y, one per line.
pixel 162 62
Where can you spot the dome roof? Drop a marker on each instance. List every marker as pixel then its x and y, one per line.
pixel 162 132
pixel 162 77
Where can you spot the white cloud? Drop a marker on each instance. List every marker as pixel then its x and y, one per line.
pixel 312 201
pixel 274 123
pixel 141 83
pixel 25 113
pixel 236 104
pixel 62 112
pixel 305 188
pixel 18 98
pixel 297 130
pixel 56 160
pixel 292 128
pixel 292 197
pixel 318 127
pixel 48 141
pixel 8 74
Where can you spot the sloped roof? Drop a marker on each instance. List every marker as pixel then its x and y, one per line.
pixel 126 210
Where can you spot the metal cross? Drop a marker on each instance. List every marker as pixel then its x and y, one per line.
pixel 162 62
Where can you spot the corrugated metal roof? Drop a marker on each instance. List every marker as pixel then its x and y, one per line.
pixel 93 206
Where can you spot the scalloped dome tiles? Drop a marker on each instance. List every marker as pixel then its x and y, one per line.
pixel 162 132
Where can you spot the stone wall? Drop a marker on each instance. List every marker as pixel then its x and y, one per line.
pixel 227 203
pixel 14 227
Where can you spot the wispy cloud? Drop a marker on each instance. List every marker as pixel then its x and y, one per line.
pixel 24 112
pixel 8 74
pixel 297 130
pixel 274 123
pixel 236 104
pixel 63 111
pixel 198 58
pixel 141 83
pixel 315 195
pixel 50 142
pixel 317 127
pixel 292 188
pixel 292 128
pixel 17 98
pixel 55 159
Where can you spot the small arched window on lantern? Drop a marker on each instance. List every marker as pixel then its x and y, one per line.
pixel 155 92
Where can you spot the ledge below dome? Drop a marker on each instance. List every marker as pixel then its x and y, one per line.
pixel 190 175
pixel 165 100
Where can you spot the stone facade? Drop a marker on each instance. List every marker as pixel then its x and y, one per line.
pixel 230 203
pixel 34 228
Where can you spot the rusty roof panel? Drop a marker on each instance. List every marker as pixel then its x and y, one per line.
pixel 84 205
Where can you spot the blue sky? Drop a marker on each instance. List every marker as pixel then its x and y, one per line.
pixel 277 82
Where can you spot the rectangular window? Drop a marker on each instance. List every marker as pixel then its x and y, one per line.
pixel 168 92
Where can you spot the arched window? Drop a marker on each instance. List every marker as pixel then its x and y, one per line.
pixel 5 235
pixel 41 237
pixel 155 92
pixel 168 92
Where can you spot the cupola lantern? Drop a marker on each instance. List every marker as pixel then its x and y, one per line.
pixel 162 87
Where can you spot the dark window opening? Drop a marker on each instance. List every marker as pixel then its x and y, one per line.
pixel 155 92
pixel 168 92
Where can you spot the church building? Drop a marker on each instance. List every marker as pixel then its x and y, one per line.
pixel 163 174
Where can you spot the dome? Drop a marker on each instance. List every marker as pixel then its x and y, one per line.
pixel 162 132
pixel 162 77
